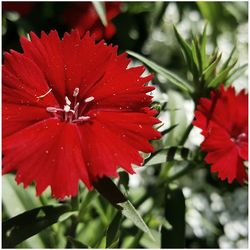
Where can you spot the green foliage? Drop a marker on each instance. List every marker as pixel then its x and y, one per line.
pixel 130 212
pixel 173 236
pixel 23 226
pixel 205 69
pixel 174 79
pixel 100 9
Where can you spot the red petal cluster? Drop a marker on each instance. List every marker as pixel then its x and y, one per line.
pixel 83 16
pixel 224 123
pixel 73 110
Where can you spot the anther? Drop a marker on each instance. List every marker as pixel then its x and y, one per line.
pixel 68 102
pixel 66 108
pixel 89 99
pixel 76 92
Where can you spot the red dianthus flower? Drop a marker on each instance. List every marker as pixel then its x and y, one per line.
pixel 83 16
pixel 224 123
pixel 73 110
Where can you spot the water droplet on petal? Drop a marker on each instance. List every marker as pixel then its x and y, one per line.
pixel 46 151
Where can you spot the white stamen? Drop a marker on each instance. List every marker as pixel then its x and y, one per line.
pixel 42 96
pixel 66 108
pixel 51 109
pixel 76 92
pixel 68 102
pixel 89 99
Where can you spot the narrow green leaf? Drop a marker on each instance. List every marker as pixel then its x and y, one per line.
pixel 195 55
pixel 235 74
pixel 203 44
pixel 101 11
pixel 27 224
pixel 171 77
pixel 113 230
pixel 209 71
pixel 76 243
pixel 171 153
pixel 184 153
pixel 166 131
pixel 110 192
pixel 85 203
pixel 226 63
pixel 187 50
pixel 221 77
pixel 174 236
pixel 132 214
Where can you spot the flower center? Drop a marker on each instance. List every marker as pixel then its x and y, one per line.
pixel 72 112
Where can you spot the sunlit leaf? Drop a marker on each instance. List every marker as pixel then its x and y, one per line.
pixel 187 50
pixel 210 70
pixel 131 213
pixel 235 74
pixel 101 11
pixel 203 44
pixel 221 77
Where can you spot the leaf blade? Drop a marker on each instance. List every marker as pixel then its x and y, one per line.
pixel 101 11
pixel 174 79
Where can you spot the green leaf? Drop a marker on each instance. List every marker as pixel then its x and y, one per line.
pixel 171 153
pixel 110 192
pixel 196 55
pixel 27 224
pixel 171 77
pixel 209 71
pixel 166 131
pixel 221 77
pixel 174 236
pixel 131 213
pixel 113 231
pixel 235 74
pixel 203 45
pixel 226 63
pixel 87 199
pixel 101 11
pixel 76 243
pixel 187 50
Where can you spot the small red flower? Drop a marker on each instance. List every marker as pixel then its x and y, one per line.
pixel 224 123
pixel 73 110
pixel 23 8
pixel 83 16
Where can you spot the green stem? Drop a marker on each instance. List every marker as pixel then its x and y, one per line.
pixel 191 166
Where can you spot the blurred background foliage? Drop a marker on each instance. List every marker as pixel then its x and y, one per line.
pixel 216 213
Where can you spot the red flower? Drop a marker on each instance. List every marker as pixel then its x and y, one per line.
pixel 224 123
pixel 72 111
pixel 23 8
pixel 83 16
